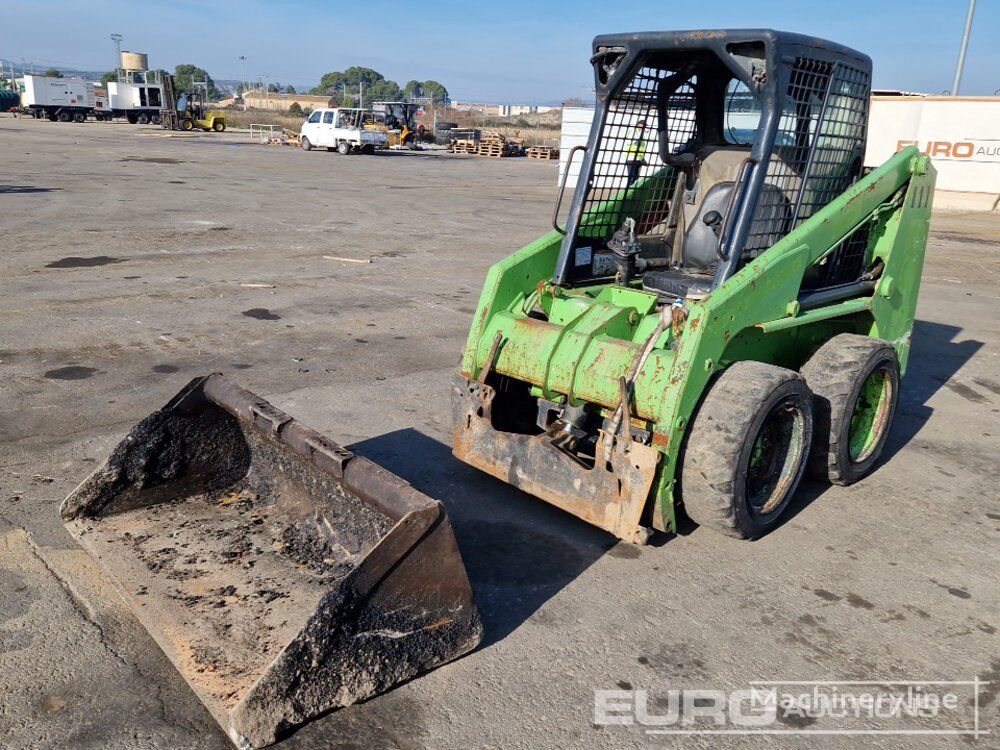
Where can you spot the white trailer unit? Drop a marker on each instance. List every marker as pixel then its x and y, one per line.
pixel 137 102
pixel 62 99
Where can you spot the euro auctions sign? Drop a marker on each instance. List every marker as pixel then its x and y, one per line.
pixel 982 150
pixel 960 134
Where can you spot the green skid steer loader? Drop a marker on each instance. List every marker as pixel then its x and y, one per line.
pixel 728 305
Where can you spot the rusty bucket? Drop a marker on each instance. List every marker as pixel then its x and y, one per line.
pixel 281 574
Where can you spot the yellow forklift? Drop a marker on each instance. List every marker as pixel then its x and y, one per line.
pixel 189 111
pixel 400 122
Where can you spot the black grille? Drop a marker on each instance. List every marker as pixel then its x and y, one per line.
pixel 845 264
pixel 817 151
pixel 626 156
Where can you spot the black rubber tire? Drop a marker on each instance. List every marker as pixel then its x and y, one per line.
pixel 79 117
pixel 156 120
pixel 64 117
pixel 836 374
pixel 187 124
pixel 721 441
pixel 344 148
pixel 142 119
pixel 306 145
pixel 219 126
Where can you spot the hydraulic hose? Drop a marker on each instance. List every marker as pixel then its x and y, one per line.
pixel 666 316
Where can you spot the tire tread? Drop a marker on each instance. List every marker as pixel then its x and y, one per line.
pixel 714 443
pixel 831 374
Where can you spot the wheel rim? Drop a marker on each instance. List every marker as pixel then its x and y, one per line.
pixel 777 453
pixel 871 414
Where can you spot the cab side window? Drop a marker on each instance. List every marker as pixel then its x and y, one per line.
pixel 328 118
pixel 742 114
pixel 314 117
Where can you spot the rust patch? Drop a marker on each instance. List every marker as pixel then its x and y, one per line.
pixel 680 372
pixel 483 316
pixel 678 316
pixel 612 499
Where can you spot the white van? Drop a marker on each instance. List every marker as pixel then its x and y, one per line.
pixel 343 129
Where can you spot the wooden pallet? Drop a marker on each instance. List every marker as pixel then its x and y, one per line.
pixel 464 147
pixel 497 150
pixel 542 152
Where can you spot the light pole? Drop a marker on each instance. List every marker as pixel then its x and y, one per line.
pixel 117 39
pixel 243 70
pixel 964 48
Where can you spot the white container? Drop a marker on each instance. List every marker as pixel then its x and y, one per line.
pixel 42 91
pixel 133 96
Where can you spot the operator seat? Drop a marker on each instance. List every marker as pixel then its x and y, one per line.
pixel 706 208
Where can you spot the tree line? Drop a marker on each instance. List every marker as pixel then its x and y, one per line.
pixel 345 87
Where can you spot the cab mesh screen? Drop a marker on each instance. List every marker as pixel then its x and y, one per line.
pixel 817 150
pixel 628 156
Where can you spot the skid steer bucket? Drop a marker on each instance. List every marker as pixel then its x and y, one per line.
pixel 282 575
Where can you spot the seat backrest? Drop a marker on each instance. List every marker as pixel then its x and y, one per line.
pixel 718 170
pixel 718 167
pixel 701 244
pixel 715 164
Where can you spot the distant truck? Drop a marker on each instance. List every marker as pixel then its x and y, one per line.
pixel 345 130
pixel 62 99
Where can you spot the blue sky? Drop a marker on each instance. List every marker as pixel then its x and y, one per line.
pixel 513 51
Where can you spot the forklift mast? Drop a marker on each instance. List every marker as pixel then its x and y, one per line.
pixel 169 119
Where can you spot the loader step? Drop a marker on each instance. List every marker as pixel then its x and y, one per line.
pixel 675 282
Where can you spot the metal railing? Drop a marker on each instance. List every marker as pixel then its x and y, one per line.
pixel 260 133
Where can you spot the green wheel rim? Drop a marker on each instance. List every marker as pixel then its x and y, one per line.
pixel 871 414
pixel 774 459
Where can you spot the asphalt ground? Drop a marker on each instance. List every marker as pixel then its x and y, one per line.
pixel 132 263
